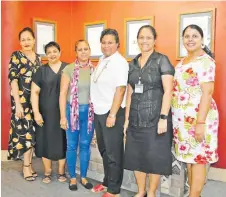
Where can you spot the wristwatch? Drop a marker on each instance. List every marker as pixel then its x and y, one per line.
pixel 164 117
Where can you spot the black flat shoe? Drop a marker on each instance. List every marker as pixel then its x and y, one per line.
pixel 73 187
pixel 87 185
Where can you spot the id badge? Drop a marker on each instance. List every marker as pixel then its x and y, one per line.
pixel 139 88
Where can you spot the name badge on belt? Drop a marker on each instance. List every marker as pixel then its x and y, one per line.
pixel 139 87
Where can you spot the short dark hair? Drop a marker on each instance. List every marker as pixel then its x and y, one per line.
pixel 27 29
pixel 199 29
pixel 52 44
pixel 152 29
pixel 112 32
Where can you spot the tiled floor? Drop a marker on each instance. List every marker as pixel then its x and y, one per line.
pixel 13 185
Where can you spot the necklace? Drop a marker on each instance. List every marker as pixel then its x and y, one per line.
pixel 96 75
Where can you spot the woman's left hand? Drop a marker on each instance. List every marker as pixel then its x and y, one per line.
pixel 200 132
pixel 162 126
pixel 110 121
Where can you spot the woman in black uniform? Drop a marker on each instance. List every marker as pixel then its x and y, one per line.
pixel 148 119
pixel 45 91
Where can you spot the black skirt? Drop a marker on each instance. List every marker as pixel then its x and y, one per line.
pixel 147 151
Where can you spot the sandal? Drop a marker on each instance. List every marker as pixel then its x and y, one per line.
pixel 28 178
pixel 62 178
pixel 87 185
pixel 47 178
pixel 34 174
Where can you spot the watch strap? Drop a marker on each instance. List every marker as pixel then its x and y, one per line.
pixel 164 117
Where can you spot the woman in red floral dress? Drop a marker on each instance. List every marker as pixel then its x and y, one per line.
pixel 195 115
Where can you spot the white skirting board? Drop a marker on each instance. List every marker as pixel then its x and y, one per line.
pixel 4 155
pixel 216 174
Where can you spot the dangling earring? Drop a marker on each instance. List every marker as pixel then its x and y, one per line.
pixel 202 46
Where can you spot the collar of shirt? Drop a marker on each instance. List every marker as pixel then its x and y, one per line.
pixel 103 58
pixel 154 55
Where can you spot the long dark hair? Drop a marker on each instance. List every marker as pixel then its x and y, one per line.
pixel 199 29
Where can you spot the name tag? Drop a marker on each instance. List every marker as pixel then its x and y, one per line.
pixel 139 88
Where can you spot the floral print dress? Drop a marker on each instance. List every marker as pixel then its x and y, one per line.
pixel 185 106
pixel 21 134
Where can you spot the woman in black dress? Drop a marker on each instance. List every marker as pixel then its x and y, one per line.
pixel 23 64
pixel 45 90
pixel 148 118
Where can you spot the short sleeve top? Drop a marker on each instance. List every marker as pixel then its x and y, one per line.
pixel 146 107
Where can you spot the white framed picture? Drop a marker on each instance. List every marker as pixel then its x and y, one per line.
pixel 204 19
pixel 92 35
pixel 45 32
pixel 132 25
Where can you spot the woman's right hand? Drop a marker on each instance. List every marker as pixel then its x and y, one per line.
pixel 19 111
pixel 126 124
pixel 64 123
pixel 38 119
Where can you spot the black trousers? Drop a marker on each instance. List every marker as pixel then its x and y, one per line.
pixel 111 147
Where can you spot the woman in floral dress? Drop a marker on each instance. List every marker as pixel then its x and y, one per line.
pixel 22 65
pixel 195 115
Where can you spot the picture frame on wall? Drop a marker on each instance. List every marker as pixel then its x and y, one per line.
pixel 92 35
pixel 45 32
pixel 131 26
pixel 204 19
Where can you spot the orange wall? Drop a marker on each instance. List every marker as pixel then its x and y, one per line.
pixel 71 16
